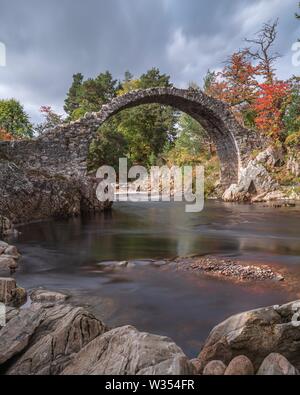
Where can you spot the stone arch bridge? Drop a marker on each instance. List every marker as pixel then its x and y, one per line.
pixel 64 149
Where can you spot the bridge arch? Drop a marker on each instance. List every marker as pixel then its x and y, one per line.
pixel 234 143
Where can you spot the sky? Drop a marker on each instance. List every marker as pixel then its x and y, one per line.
pixel 48 41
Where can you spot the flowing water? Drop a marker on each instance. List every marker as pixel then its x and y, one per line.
pixel 64 256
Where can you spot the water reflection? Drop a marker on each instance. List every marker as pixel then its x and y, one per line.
pixel 63 255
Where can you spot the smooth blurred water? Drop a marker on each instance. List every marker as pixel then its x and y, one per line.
pixel 63 255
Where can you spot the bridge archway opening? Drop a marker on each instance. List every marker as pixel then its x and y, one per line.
pixel 204 113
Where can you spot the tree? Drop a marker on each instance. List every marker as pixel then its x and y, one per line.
pixel 263 50
pixel 51 119
pixel 236 85
pixel 14 120
pixel 109 146
pixel 147 128
pixel 191 137
pixel 209 81
pixel 90 95
pixel 270 109
pixel 154 79
pixel 291 118
pixel 73 99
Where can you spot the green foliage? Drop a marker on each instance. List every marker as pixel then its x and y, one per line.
pixel 90 95
pixel 14 120
pixel 209 80
pixel 291 117
pixel 293 140
pixel 147 128
pixel 108 147
pixel 191 135
pixel 73 99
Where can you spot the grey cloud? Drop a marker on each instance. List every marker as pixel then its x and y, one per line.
pixel 48 41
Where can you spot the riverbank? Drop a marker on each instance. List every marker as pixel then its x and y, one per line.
pixel 74 342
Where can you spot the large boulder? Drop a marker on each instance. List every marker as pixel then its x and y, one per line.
pixel 240 366
pixel 45 337
pixel 214 368
pixel 126 351
pixel 277 365
pixel 256 334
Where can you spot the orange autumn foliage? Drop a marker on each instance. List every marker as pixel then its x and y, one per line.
pixel 269 107
pixel 5 136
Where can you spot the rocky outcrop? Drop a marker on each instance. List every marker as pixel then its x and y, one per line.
pixel 255 178
pixel 55 338
pixel 51 339
pixel 126 351
pixel 45 338
pixel 256 334
pixel 29 195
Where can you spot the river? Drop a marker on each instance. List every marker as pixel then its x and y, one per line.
pixel 64 255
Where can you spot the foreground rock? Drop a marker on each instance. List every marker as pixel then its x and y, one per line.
pixel 256 334
pixel 214 368
pixel 277 365
pixel 10 293
pixel 44 338
pixel 53 338
pixel 43 296
pixel 9 257
pixel 240 366
pixel 48 339
pixel 125 351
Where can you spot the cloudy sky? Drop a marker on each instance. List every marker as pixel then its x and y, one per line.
pixel 48 41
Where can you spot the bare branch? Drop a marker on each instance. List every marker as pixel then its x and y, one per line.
pixel 264 40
